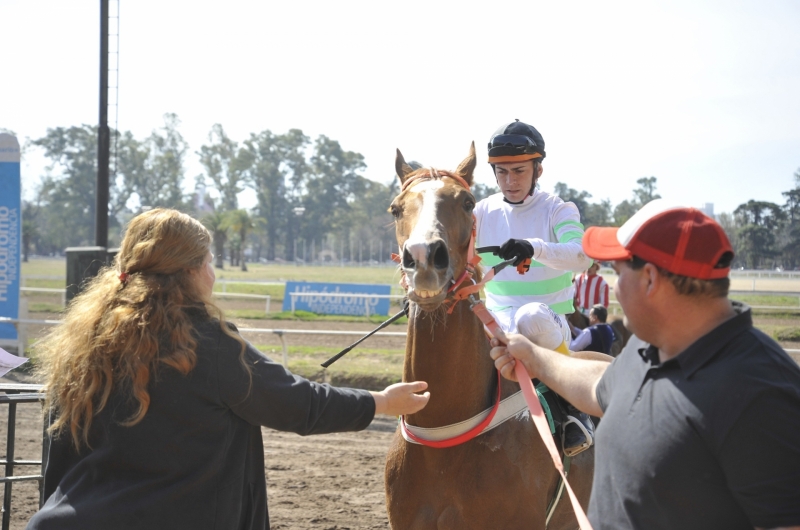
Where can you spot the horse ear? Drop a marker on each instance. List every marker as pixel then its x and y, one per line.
pixel 403 169
pixel 467 167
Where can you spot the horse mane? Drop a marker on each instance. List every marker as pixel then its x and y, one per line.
pixel 432 173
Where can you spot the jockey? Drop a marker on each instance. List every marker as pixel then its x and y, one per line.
pixel 538 229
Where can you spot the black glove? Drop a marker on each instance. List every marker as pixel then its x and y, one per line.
pixel 405 305
pixel 519 248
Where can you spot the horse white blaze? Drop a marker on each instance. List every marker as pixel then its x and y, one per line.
pixel 428 227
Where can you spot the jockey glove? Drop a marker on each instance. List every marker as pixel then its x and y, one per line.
pixel 516 248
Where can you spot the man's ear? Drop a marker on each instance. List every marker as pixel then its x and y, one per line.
pixel 654 279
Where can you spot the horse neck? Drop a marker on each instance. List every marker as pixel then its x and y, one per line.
pixel 450 353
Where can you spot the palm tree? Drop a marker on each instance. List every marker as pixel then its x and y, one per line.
pixel 240 222
pixel 216 223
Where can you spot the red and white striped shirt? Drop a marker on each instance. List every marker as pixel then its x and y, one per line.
pixel 590 290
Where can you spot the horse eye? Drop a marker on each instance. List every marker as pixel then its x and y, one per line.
pixel 395 211
pixel 469 205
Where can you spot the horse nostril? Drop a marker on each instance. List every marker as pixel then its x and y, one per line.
pixel 408 260
pixel 441 260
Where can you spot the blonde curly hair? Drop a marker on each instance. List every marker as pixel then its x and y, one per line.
pixel 130 319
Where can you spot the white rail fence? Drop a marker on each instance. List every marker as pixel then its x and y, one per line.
pixel 63 292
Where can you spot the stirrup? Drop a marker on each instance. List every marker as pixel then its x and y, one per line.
pixel 589 440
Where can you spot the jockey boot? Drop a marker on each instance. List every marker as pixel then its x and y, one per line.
pixel 578 431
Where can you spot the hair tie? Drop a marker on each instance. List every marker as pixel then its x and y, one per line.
pixel 123 277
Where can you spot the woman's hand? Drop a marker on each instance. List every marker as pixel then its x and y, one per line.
pixel 401 398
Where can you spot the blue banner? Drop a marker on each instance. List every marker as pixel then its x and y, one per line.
pixel 10 233
pixel 325 303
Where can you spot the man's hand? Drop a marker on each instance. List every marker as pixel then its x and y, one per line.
pixel 401 398
pixel 519 248
pixel 509 349
pixel 573 378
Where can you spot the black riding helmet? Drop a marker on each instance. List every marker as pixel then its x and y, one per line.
pixel 514 142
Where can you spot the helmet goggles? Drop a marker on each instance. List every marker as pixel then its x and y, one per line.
pixel 515 146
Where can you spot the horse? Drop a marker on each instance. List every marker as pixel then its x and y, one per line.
pixel 503 478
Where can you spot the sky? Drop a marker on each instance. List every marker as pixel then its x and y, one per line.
pixel 703 95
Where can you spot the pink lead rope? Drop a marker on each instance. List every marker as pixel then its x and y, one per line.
pixel 537 413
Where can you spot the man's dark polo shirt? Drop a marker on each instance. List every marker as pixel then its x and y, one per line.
pixel 708 440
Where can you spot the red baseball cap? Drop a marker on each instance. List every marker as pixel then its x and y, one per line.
pixel 681 240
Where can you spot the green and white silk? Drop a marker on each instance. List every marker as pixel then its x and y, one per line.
pixel 554 230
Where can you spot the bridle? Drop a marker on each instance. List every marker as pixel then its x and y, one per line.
pixel 473 257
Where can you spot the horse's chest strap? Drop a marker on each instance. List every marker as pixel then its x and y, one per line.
pixel 454 434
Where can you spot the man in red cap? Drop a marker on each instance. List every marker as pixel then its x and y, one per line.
pixel 700 411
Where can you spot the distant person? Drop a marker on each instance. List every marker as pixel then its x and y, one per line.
pixel 700 410
pixel 591 289
pixel 599 336
pixel 537 228
pixel 158 402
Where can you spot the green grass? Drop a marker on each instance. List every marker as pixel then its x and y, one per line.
pixel 373 369
pixel 44 307
pixel 790 334
pixel 768 300
pixel 282 273
pixel 257 273
pixel 275 291
pixel 45 267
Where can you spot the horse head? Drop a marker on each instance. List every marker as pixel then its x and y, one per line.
pixel 434 222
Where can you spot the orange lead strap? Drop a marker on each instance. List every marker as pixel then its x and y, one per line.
pixel 537 414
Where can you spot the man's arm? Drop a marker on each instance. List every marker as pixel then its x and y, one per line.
pixel 574 379
pixel 581 341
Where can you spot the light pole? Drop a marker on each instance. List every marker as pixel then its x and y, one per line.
pixel 298 212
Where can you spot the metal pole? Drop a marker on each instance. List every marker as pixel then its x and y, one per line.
pixel 103 137
pixel 10 436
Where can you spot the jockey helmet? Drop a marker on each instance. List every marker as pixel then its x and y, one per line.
pixel 516 142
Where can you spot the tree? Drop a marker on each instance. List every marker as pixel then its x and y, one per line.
pixel 67 192
pixel 240 223
pixel 217 225
pixel 646 191
pixel 599 214
pixel 790 239
pixel 759 222
pixel 30 230
pixel 728 223
pixel 275 167
pixel 334 184
pixel 481 191
pixel 578 198
pixel 624 211
pixel 220 159
pixel 153 170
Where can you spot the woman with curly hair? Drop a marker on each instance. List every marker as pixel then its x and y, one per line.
pixel 157 402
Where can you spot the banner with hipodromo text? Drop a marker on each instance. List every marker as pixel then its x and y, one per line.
pixel 332 299
pixel 10 233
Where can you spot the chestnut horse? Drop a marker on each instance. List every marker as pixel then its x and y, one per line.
pixel 504 478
